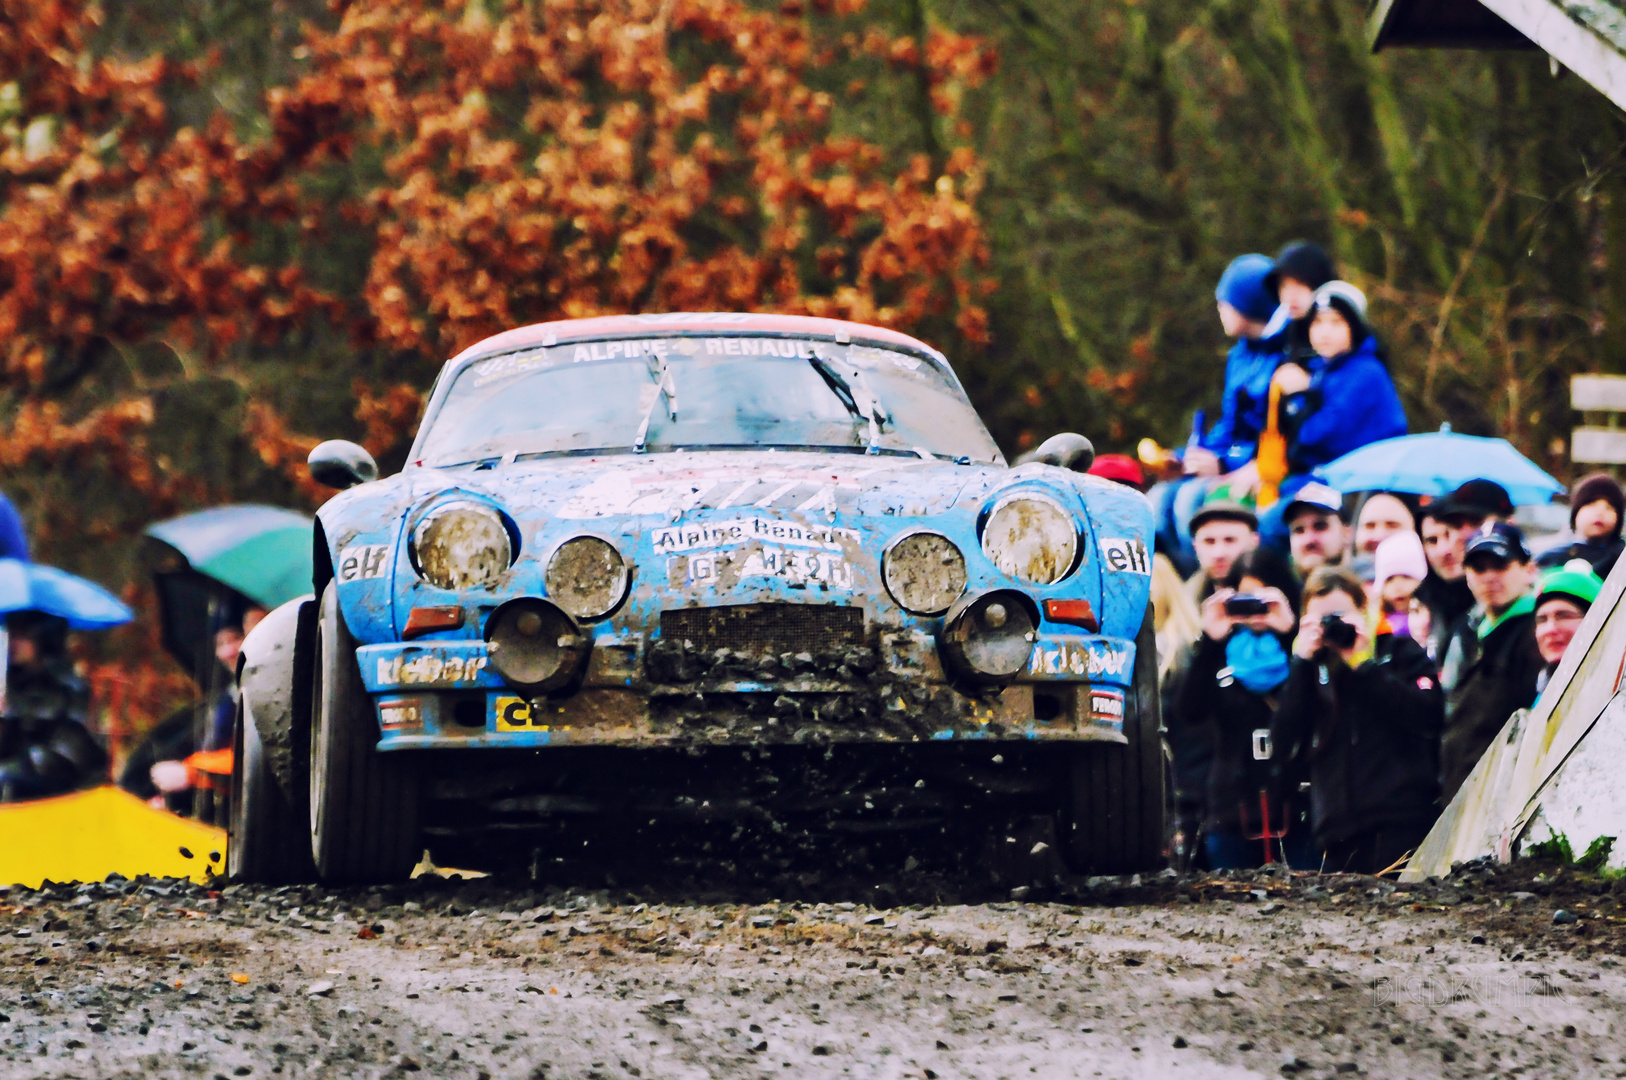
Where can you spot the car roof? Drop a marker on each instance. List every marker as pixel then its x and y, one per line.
pixel 679 322
pixel 686 322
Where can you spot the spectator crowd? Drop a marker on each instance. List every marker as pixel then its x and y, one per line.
pixel 1334 664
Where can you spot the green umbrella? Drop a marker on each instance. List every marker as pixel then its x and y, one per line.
pixel 214 562
pixel 263 552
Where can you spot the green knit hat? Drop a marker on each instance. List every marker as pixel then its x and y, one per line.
pixel 1575 581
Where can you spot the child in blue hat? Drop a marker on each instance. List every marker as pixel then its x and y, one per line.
pixel 1245 304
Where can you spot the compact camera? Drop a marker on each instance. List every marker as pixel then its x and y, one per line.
pixel 1336 633
pixel 1243 605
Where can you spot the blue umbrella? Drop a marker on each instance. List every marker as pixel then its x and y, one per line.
pixel 1437 464
pixel 26 586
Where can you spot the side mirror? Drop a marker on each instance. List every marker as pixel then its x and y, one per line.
pixel 340 464
pixel 1066 451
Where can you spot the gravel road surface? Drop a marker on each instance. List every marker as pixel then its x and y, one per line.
pixel 1250 975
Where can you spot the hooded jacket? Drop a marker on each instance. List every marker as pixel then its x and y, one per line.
pixel 1351 402
pixel 1500 680
pixel 1222 714
pixel 1368 739
pixel 1234 438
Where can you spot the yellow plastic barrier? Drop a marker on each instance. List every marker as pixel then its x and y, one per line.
pixel 90 834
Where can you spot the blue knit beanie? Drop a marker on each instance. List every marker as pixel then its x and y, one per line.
pixel 1243 287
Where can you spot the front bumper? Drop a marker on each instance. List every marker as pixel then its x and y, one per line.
pixel 444 694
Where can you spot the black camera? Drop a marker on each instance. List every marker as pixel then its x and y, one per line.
pixel 1243 605
pixel 1336 633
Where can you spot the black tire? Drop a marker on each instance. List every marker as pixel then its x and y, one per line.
pixel 363 804
pixel 267 840
pixel 1114 815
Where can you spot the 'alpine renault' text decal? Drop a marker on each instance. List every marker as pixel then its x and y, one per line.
pixel 721 534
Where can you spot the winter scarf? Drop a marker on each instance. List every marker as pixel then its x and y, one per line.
pixel 1257 660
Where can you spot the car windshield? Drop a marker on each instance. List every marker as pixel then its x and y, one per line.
pixel 692 393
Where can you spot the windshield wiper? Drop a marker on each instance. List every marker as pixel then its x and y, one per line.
pixel 857 396
pixel 665 387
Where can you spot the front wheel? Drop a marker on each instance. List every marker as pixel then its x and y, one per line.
pixel 1114 815
pixel 267 843
pixel 363 803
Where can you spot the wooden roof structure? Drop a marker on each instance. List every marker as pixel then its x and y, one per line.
pixel 1586 36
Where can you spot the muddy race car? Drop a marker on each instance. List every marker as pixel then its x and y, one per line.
pixel 619 538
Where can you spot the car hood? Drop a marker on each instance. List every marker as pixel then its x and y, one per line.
pixel 668 486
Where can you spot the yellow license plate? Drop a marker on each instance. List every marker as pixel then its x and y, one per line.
pixel 515 714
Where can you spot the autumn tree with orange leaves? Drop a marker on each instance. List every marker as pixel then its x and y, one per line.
pixel 185 309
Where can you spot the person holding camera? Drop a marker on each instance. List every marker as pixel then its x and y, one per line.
pixel 1221 533
pixel 1226 702
pixel 1361 716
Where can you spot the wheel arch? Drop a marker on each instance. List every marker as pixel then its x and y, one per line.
pixel 321 559
pixel 274 674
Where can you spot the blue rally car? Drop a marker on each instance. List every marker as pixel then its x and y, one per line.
pixel 693 531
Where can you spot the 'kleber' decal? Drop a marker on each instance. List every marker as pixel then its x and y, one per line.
pixel 1078 660
pixel 429 670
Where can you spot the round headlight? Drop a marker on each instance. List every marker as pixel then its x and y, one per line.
pixel 533 645
pixel 924 572
pixel 1031 537
pixel 461 545
pixel 587 577
pixel 989 639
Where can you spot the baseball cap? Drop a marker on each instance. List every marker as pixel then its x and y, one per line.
pixel 1118 468
pixel 1315 497
pixel 1575 580
pixel 1476 498
pixel 1224 510
pixel 1498 540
